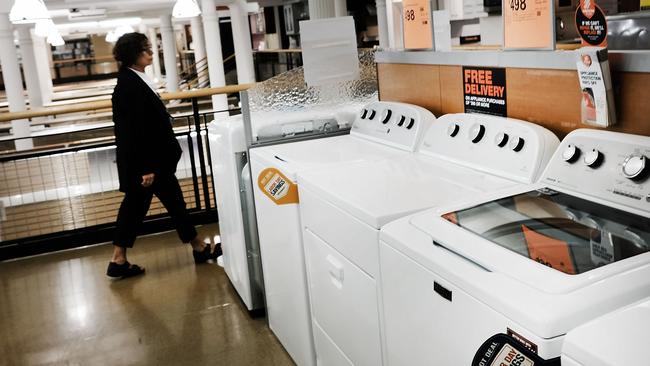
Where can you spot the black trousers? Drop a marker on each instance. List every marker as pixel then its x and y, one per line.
pixel 136 203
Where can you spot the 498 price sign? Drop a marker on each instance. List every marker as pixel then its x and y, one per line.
pixel 418 30
pixel 528 24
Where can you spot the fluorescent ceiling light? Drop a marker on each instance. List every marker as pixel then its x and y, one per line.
pixel 28 11
pixel 186 9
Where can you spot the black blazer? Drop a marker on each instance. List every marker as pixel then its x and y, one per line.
pixel 143 132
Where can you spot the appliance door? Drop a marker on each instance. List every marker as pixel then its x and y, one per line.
pixel 344 304
pixel 564 232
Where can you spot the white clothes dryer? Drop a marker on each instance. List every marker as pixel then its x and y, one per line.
pixel 526 265
pixel 343 208
pixel 382 130
pixel 228 149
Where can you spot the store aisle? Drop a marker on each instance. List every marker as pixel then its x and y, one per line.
pixel 61 309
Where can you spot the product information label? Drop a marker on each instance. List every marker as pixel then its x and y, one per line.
pixel 484 90
pixel 597 104
pixel 591 24
pixel 528 24
pixel 276 186
pixel 508 356
pixel 418 31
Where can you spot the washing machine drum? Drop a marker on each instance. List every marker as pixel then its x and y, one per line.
pixel 504 350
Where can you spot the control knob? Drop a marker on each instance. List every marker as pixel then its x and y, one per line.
pixel 517 144
pixel 476 132
pixel 593 158
pixel 571 153
pixel 372 114
pixel 502 139
pixel 411 124
pixel 453 129
pixel 385 116
pixel 635 167
pixel 364 113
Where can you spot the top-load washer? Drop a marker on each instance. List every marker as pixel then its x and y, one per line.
pixel 229 156
pixel 526 265
pixel 343 208
pixel 382 130
pixel 618 338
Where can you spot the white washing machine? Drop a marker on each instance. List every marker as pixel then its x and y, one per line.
pixel 228 150
pixel 343 208
pixel 373 137
pixel 526 265
pixel 618 338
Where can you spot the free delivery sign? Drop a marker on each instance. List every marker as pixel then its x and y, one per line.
pixel 484 89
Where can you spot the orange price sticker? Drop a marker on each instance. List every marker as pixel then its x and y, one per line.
pixel 418 30
pixel 528 24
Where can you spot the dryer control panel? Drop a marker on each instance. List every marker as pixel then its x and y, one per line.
pixel 395 124
pixel 610 165
pixel 502 146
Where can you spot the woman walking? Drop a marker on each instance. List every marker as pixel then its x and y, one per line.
pixel 147 155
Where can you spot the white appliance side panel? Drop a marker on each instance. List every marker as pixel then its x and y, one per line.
pixel 344 302
pixel 285 281
pixel 351 237
pixel 231 225
pixel 568 361
pixel 423 328
pixel 328 353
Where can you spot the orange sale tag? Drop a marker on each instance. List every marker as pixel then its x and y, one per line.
pixel 277 187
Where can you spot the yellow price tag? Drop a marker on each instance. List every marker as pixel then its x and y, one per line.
pixel 528 24
pixel 418 30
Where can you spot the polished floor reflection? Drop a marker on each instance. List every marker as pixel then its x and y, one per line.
pixel 60 309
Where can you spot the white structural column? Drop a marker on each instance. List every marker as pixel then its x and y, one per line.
pixel 153 38
pixel 340 8
pixel 149 70
pixel 382 23
pixel 198 42
pixel 169 53
pixel 30 71
pixel 241 34
pixel 320 9
pixel 213 52
pixel 13 82
pixel 43 59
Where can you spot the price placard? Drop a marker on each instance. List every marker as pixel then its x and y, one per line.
pixel 418 30
pixel 528 24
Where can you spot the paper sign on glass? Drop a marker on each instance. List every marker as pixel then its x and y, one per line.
pixel 418 30
pixel 528 24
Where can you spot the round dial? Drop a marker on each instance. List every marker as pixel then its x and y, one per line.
pixel 453 129
pixel 411 124
pixel 364 113
pixel 476 132
pixel 593 158
pixel 502 139
pixel 401 121
pixel 385 116
pixel 372 114
pixel 517 144
pixel 571 153
pixel 635 166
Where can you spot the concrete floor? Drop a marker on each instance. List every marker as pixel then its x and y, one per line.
pixel 61 309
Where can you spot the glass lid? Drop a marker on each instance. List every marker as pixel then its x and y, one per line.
pixel 564 232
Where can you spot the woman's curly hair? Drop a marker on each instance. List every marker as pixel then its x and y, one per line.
pixel 129 47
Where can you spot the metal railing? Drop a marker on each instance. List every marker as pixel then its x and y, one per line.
pixel 62 198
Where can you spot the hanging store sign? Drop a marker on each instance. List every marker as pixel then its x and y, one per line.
pixel 418 29
pixel 484 89
pixel 597 105
pixel 591 24
pixel 528 24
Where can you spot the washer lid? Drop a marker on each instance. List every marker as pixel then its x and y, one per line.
pixel 564 232
pixel 323 152
pixel 382 191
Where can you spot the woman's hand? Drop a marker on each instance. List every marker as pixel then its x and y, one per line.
pixel 147 180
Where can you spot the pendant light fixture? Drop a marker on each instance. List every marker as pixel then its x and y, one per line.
pixel 185 9
pixel 28 11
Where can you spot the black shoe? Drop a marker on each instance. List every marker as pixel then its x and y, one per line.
pixel 202 256
pixel 123 270
pixel 217 252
